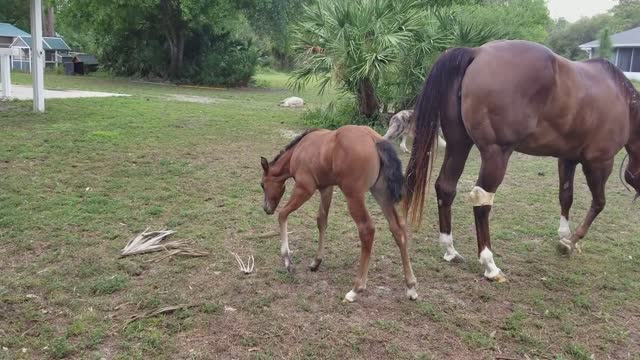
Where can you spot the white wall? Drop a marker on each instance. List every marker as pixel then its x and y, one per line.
pixel 633 76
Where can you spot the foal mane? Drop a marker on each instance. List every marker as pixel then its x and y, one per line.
pixel 293 143
pixel 626 86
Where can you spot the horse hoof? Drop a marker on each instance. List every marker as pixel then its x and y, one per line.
pixel 565 246
pixel 315 265
pixel 499 279
pixel 412 294
pixel 454 259
pixel 564 234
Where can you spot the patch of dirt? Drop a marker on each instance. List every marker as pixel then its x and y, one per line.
pixel 194 99
pixel 288 134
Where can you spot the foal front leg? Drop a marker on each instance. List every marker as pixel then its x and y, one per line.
pixel 566 172
pixel 597 175
pixel 492 171
pixel 366 231
pixel 299 196
pixel 326 195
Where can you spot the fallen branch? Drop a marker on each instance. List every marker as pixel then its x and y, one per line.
pixel 155 312
pixel 266 235
pixel 152 241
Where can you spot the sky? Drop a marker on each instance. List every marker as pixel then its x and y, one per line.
pixel 573 10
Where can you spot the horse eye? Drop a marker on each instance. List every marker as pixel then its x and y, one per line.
pixel 262 186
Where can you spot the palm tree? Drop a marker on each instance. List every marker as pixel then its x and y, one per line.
pixel 377 48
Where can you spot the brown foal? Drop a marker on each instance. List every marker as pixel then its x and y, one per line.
pixel 357 160
pixel 511 96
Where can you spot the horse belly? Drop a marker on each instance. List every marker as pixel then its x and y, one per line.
pixel 548 145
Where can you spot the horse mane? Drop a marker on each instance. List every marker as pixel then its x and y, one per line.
pixel 625 85
pixel 293 143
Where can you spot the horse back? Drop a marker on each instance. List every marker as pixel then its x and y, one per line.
pixel 538 102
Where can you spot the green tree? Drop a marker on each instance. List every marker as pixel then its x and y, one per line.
pixel 378 50
pixel 565 38
pixel 16 12
pixel 606 47
pixel 626 15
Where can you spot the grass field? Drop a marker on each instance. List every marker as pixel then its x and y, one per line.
pixel 79 181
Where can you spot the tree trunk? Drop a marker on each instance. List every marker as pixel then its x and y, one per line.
pixel 50 22
pixel 367 100
pixel 175 33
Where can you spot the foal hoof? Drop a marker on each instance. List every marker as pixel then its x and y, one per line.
pixel 567 247
pixel 499 279
pixel 412 294
pixel 350 297
pixel 315 265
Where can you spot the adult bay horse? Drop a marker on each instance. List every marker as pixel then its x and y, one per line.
pixel 511 96
pixel 357 160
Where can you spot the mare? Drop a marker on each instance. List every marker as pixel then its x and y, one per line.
pixel 519 96
pixel 357 160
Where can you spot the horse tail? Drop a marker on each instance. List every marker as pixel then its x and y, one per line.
pixel 442 85
pixel 391 169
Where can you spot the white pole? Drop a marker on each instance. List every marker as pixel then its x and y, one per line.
pixel 37 57
pixel 5 74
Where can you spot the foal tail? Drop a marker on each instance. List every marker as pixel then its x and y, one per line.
pixel 391 169
pixel 441 86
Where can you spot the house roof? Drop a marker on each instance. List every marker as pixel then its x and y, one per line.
pixel 11 31
pixel 48 43
pixel 86 59
pixel 629 38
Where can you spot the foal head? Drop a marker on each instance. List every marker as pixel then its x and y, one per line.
pixel 272 186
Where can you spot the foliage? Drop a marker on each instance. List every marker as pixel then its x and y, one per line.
pixel 516 19
pixel 338 113
pixel 606 47
pixel 197 41
pixel 16 12
pixel 565 38
pixel 378 50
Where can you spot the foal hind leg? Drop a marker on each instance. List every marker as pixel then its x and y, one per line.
pixel 597 175
pixel 454 160
pixel 566 172
pixel 366 231
pixel 323 212
pixel 400 235
pixel 492 171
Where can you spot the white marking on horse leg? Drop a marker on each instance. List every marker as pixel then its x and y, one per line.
pixel 285 253
pixel 441 142
pixel 403 144
pixel 480 197
pixel 491 271
pixel 351 296
pixel 446 241
pixel 412 294
pixel 564 230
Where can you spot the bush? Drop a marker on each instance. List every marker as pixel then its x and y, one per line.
pixel 222 60
pixel 339 113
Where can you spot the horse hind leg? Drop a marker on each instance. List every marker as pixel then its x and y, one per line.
pixel 566 172
pixel 597 176
pixel 452 167
pixel 492 171
pixel 366 232
pixel 326 195
pixel 400 234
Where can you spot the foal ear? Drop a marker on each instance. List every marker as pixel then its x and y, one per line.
pixel 265 164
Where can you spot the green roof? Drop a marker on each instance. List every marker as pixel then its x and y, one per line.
pixel 48 43
pixel 11 31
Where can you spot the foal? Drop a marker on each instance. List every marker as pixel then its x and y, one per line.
pixel 356 159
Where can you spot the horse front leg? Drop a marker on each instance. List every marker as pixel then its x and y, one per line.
pixel 492 171
pixel 566 172
pixel 299 196
pixel 597 175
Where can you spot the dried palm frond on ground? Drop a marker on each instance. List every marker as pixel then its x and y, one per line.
pixel 152 241
pixel 155 312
